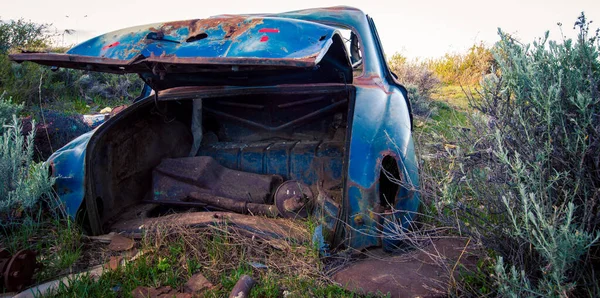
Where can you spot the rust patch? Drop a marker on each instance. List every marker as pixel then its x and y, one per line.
pixel 234 26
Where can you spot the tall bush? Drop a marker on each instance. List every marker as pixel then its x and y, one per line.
pixel 23 35
pixel 525 178
pixel 22 182
pixel 544 118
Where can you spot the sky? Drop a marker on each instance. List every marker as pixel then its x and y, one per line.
pixel 416 29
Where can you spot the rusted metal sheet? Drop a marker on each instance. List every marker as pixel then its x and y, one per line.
pixel 423 272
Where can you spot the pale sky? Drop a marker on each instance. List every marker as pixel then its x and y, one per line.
pixel 421 28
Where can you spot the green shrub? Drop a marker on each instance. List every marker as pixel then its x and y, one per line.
pixel 23 35
pixel 419 81
pixel 544 112
pixel 27 83
pixel 7 110
pixel 464 69
pixel 525 177
pixel 22 182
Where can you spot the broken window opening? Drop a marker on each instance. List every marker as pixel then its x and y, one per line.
pixel 353 48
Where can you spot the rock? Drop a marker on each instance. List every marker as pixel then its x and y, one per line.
pixel 120 243
pixel 196 284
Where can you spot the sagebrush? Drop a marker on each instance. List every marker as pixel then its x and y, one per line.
pixel 525 176
pixel 22 182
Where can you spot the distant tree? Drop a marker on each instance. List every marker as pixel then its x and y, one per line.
pixel 21 34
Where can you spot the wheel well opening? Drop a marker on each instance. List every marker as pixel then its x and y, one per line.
pixel 389 182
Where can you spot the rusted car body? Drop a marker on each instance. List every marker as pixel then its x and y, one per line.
pixel 261 100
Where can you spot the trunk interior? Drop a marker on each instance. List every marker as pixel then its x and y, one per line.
pixel 239 145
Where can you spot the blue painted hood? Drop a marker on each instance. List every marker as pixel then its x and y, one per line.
pixel 238 45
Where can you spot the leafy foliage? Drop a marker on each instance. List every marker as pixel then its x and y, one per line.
pixel 7 110
pixel 546 109
pixel 67 89
pixel 419 81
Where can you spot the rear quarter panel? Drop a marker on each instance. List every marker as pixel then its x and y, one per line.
pixel 380 127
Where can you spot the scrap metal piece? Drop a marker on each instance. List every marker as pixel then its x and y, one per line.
pixel 235 206
pixel 19 270
pixel 235 42
pixel 243 287
pixel 292 199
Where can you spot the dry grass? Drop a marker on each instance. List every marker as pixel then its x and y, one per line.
pixel 221 248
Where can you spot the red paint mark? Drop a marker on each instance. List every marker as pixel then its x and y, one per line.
pixel 264 38
pixel 269 30
pixel 114 44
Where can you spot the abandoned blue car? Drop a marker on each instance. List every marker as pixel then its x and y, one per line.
pixel 288 115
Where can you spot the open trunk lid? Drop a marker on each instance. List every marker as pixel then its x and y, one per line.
pixel 226 50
